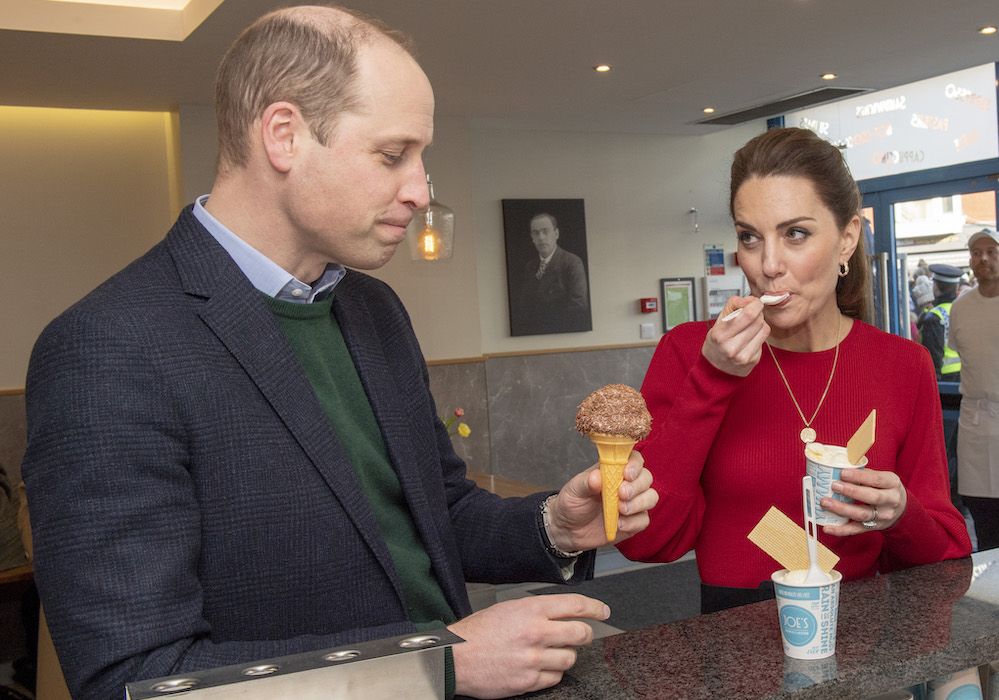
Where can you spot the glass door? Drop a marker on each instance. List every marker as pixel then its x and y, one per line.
pixel 935 230
pixel 915 227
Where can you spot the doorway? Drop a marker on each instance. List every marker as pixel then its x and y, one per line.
pixel 912 227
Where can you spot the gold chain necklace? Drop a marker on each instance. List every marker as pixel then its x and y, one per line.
pixel 807 433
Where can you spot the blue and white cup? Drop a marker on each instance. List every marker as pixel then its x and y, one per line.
pixel 824 463
pixel 963 685
pixel 807 614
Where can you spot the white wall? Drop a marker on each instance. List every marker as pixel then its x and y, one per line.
pixel 637 192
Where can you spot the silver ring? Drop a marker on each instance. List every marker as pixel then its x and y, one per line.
pixel 873 522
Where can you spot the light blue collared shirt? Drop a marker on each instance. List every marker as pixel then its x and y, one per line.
pixel 263 273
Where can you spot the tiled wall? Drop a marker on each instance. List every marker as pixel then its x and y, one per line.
pixel 521 409
pixel 13 433
pixel 529 404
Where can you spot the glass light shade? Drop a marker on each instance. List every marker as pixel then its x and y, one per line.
pixel 431 232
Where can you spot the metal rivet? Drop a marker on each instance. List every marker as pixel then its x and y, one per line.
pixel 173 685
pixel 260 670
pixel 425 640
pixel 345 655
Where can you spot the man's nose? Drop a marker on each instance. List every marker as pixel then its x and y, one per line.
pixel 415 190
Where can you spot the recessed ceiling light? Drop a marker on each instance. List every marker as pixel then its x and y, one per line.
pixel 162 20
pixel 708 110
pixel 988 29
pixel 828 76
pixel 602 68
pixel 148 4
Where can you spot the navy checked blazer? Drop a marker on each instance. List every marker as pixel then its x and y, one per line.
pixel 191 505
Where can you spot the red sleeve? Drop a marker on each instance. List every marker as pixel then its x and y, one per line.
pixel 931 529
pixel 687 397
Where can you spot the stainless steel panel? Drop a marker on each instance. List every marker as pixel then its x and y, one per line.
pixel 410 666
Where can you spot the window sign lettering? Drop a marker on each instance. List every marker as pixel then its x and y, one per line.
pixel 932 123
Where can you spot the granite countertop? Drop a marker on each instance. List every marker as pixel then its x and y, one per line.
pixel 894 631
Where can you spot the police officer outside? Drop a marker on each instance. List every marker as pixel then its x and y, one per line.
pixel 935 323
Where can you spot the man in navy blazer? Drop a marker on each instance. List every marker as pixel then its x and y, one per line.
pixel 194 501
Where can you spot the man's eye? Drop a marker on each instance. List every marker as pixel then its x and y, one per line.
pixel 391 158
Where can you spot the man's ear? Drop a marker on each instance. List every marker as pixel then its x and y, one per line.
pixel 281 127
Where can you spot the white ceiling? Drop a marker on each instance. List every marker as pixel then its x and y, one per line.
pixel 528 63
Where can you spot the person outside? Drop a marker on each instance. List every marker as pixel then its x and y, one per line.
pixel 922 301
pixel 935 323
pixel 733 402
pixel 974 333
pixel 554 295
pixel 233 452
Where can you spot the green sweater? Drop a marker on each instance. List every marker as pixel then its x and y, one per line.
pixel 318 343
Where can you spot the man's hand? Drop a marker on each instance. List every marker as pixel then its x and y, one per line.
pixel 522 645
pixel 576 513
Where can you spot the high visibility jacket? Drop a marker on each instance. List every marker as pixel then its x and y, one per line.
pixel 951 360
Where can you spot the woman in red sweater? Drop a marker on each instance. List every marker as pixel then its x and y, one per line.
pixel 734 401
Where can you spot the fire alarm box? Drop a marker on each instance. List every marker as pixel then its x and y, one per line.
pixel 648 305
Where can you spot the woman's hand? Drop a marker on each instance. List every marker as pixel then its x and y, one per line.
pixel 734 345
pixel 879 501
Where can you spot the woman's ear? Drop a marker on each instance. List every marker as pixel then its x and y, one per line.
pixel 849 238
pixel 280 129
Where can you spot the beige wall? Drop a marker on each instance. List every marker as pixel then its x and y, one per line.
pixel 84 192
pixel 104 189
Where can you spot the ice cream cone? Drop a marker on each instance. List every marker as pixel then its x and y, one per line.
pixel 614 451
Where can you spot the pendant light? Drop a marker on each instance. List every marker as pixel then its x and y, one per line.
pixel 431 231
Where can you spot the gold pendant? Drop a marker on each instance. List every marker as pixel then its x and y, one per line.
pixel 807 435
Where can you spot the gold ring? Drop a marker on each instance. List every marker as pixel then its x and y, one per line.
pixel 873 522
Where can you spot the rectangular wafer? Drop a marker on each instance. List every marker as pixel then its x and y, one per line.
pixel 784 540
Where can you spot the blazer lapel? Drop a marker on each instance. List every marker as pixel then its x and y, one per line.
pixel 409 448
pixel 242 322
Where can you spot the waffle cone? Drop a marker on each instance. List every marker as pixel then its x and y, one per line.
pixel 614 451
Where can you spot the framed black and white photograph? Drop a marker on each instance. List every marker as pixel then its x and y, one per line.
pixel 679 301
pixel 547 271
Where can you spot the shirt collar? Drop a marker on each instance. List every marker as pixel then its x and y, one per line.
pixel 263 273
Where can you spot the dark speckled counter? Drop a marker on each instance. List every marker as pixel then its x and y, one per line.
pixel 894 631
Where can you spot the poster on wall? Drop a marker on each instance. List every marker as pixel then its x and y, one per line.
pixel 679 301
pixel 714 260
pixel 719 288
pixel 546 266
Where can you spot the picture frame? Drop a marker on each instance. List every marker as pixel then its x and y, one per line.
pixel 679 301
pixel 547 266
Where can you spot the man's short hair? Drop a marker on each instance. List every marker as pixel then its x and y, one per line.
pixel 300 55
pixel 550 218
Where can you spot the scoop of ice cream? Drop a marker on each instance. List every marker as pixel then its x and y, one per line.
pixel 796 576
pixel 833 455
pixel 615 409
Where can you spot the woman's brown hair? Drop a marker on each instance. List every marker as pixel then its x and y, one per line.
pixel 801 153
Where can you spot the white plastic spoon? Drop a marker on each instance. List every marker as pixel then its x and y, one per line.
pixel 767 299
pixel 815 576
